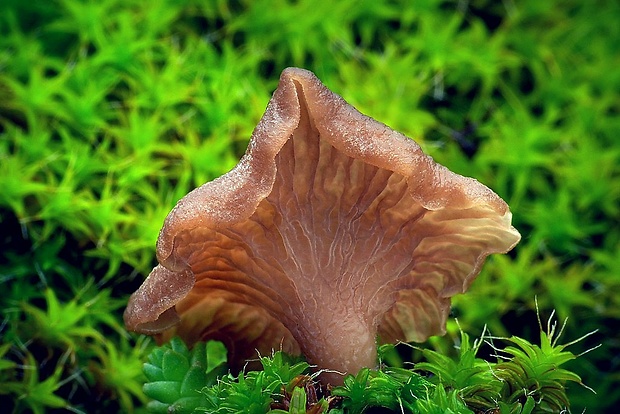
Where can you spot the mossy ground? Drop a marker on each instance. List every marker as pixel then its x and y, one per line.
pixel 111 110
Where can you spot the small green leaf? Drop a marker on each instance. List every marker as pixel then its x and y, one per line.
pixel 164 391
pixel 298 401
pixel 153 373
pixel 174 366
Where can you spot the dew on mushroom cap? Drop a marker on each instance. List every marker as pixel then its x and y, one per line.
pixel 332 230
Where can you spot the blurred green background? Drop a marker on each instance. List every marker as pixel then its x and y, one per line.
pixel 111 110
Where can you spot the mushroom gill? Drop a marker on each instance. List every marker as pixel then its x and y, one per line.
pixel 332 230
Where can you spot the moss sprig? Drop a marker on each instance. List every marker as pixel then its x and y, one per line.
pixel 529 371
pixel 275 387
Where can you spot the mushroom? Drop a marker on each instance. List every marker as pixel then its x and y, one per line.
pixel 331 231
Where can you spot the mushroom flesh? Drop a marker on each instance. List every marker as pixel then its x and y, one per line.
pixel 332 231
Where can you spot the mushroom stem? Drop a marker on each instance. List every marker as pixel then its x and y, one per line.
pixel 338 342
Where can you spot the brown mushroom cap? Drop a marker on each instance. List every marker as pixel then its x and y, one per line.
pixel 331 230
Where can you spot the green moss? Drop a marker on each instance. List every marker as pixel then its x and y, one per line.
pixel 111 111
pixel 521 378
